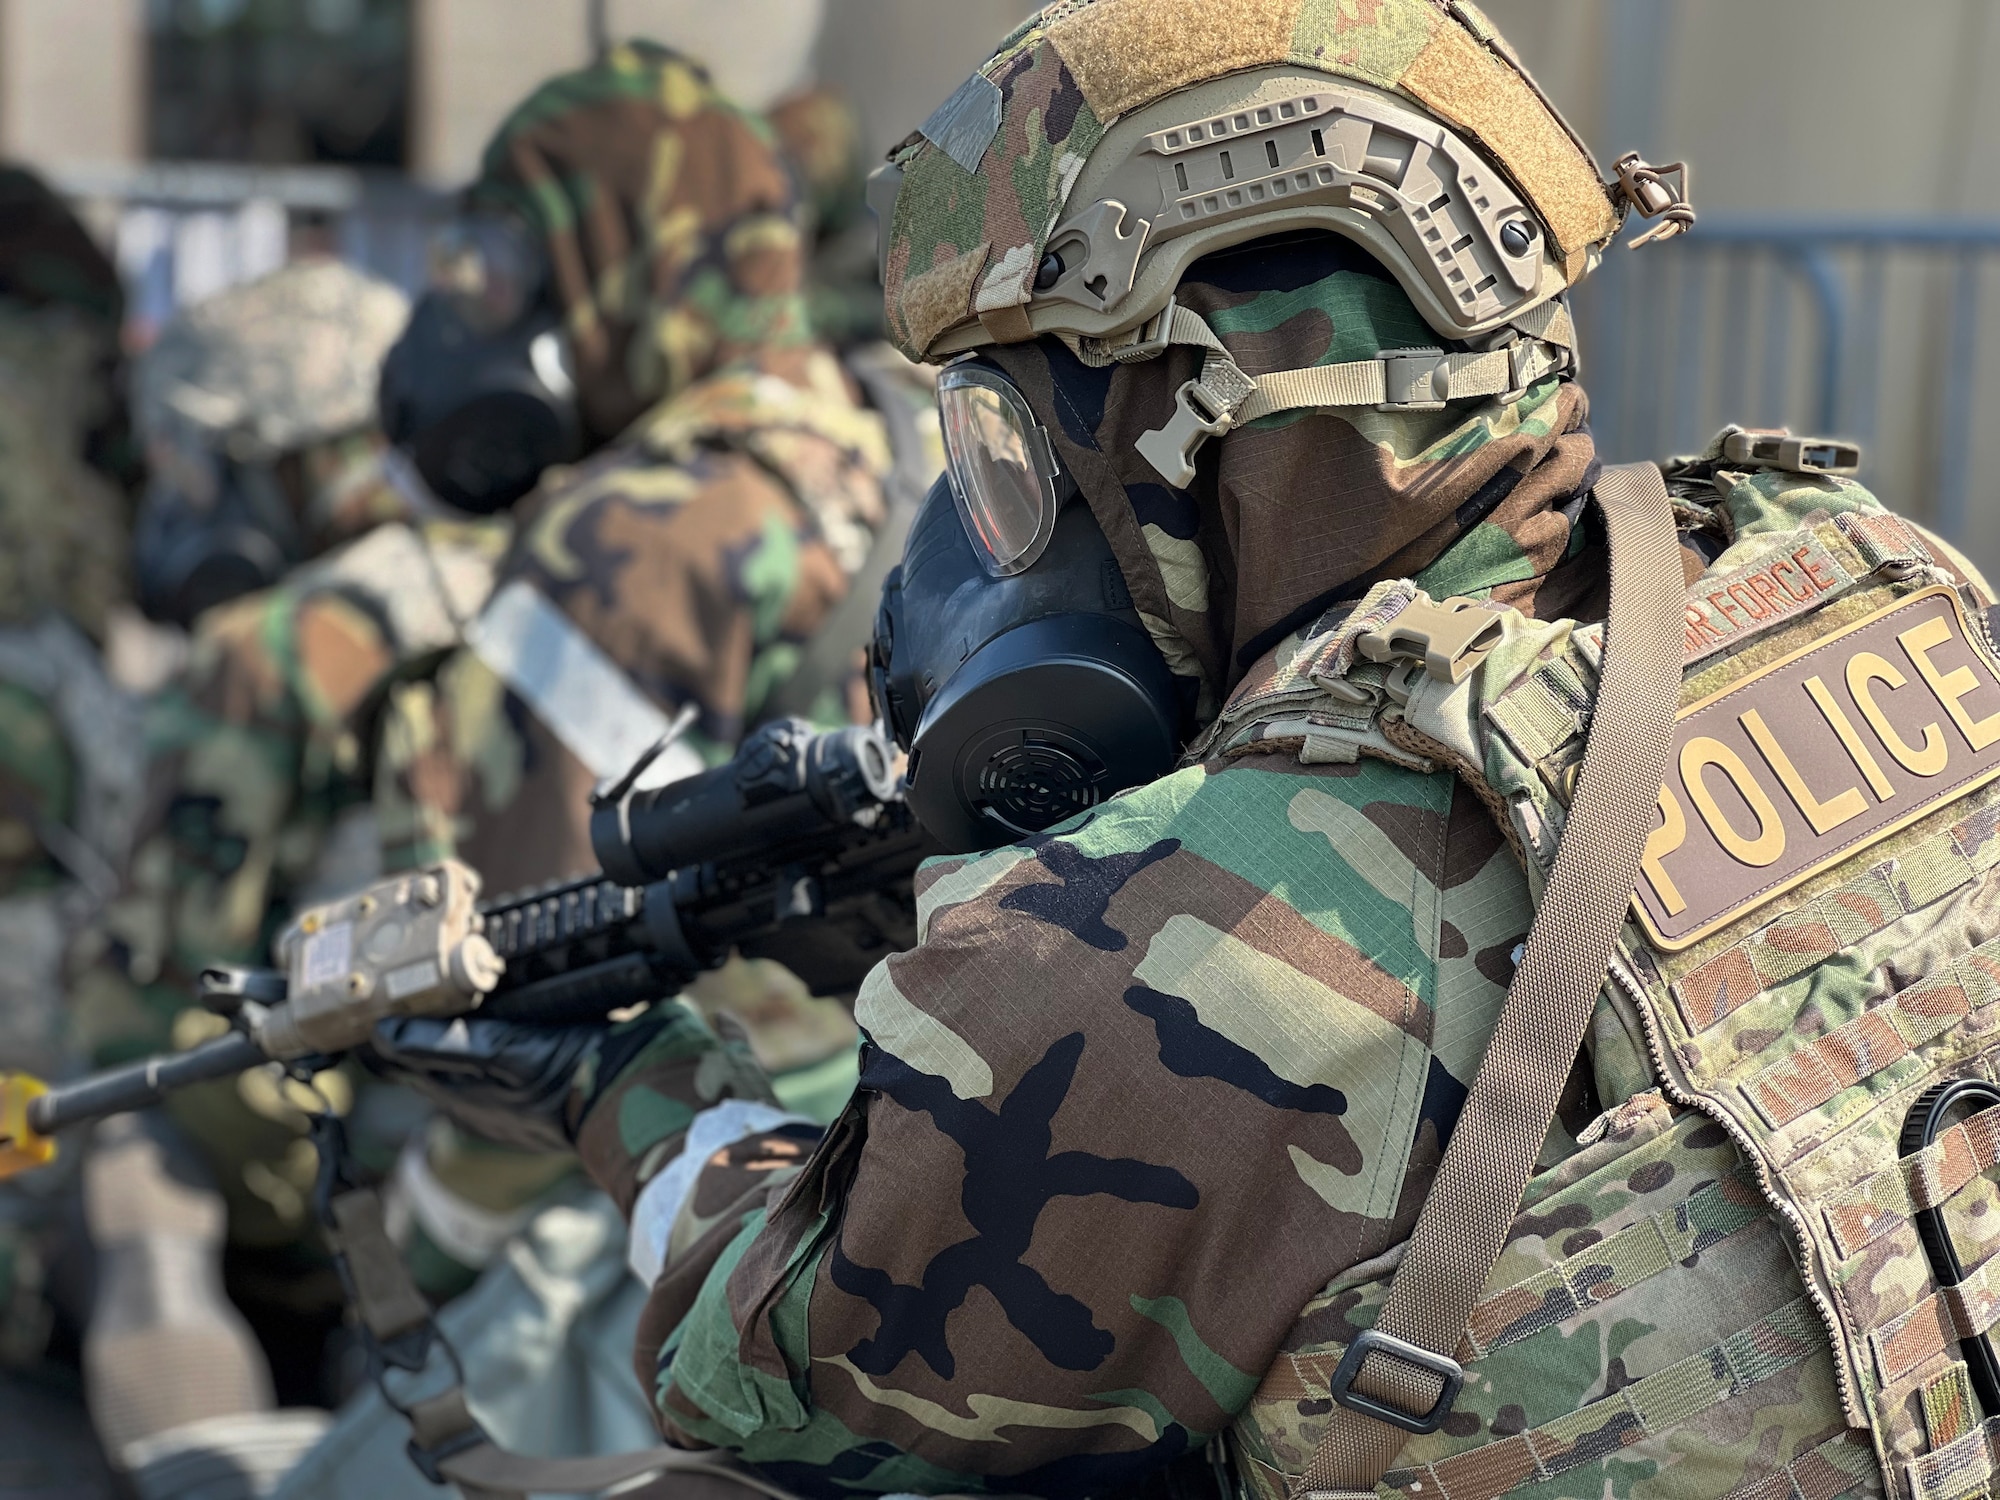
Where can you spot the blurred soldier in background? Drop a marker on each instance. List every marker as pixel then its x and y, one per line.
pixel 721 559
pixel 256 410
pixel 70 758
pixel 715 566
pixel 629 272
pixel 49 261
pixel 67 762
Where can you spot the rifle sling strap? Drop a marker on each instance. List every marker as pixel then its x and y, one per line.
pixel 1465 1219
pixel 446 1440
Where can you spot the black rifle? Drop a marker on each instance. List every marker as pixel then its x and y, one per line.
pixel 799 849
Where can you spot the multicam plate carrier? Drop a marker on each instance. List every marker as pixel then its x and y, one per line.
pixel 1724 1291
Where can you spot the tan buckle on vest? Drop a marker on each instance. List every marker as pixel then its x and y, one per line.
pixel 1450 639
pixel 1797 455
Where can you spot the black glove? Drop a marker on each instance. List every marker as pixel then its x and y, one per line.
pixel 506 1082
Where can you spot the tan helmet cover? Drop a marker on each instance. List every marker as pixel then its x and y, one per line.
pixel 1110 143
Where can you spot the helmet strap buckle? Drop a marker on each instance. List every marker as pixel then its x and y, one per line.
pixel 1150 340
pixel 1415 380
pixel 1662 193
pixel 1198 416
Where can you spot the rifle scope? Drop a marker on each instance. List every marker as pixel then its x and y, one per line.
pixel 787 785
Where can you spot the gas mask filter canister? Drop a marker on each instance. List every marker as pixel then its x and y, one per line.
pixel 479 391
pixel 1008 659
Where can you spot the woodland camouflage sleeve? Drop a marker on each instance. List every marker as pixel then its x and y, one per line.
pixel 1140 1091
pixel 252 755
pixel 695 580
pixel 37 787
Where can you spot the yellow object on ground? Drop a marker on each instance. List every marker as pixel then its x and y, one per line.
pixel 21 1149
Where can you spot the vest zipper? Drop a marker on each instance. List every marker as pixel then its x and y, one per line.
pixel 1844 1376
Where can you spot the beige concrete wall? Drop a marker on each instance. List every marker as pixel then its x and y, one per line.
pixel 895 58
pixel 475 59
pixel 72 80
pixel 898 59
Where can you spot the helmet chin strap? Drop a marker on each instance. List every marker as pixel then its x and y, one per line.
pixel 1223 396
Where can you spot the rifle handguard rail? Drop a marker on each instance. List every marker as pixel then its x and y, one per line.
pixel 795 814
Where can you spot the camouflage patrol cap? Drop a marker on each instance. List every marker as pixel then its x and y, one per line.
pixel 272 366
pixel 1110 143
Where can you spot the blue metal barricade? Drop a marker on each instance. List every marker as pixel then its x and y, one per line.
pixel 1792 323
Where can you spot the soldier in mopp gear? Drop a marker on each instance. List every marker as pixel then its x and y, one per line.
pixel 256 409
pixel 70 756
pixel 615 351
pixel 1268 458
pixel 693 574
pixel 256 412
pixel 715 565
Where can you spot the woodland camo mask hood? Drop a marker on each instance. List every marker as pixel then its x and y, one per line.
pixel 670 224
pixel 1298 511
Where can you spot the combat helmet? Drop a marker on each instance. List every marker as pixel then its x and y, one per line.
pixel 1109 144
pixel 274 365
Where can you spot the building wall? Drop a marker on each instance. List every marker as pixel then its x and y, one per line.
pixel 1787 108
pixel 1816 109
pixel 474 60
pixel 72 80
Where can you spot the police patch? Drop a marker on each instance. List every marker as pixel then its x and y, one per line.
pixel 1820 754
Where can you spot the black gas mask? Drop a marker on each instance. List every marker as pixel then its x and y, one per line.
pixel 230 530
pixel 478 391
pixel 1008 659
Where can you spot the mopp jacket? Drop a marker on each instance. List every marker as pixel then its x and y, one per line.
pixel 1145 1116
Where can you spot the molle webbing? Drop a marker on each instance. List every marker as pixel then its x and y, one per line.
pixel 1934 1325
pixel 1960 1469
pixel 1649 1407
pixel 1604 1270
pixel 1885 1202
pixel 1815 1073
pixel 1815 930
pixel 1842 1465
pixel 1950 1410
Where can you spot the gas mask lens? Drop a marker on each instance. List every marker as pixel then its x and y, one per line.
pixel 1002 467
pixel 489 266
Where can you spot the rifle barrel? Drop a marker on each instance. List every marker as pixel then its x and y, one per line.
pixel 141 1085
